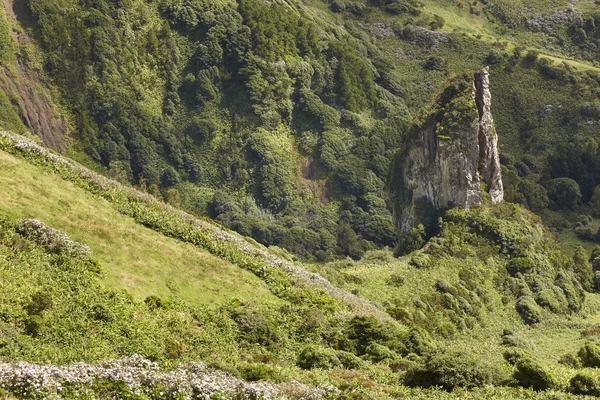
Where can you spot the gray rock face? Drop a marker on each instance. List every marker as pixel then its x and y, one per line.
pixel 451 157
pixel 489 156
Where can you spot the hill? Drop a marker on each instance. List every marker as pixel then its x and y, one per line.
pixel 201 199
pixel 64 301
pixel 280 120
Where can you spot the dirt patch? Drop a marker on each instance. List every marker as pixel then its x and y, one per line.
pixel 308 180
pixel 31 95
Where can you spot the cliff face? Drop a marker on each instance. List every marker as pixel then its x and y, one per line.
pixel 29 94
pixel 450 158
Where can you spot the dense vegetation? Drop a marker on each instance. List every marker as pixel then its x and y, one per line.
pixel 492 271
pixel 280 120
pixel 282 126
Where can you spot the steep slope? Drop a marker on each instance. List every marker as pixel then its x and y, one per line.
pixel 290 324
pixel 281 119
pixel 31 102
pixel 134 258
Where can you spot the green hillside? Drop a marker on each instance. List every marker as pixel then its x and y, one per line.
pixel 133 257
pixel 197 200
pixel 60 304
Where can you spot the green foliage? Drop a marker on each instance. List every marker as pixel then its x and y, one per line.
pixel 349 360
pixel 508 11
pixel 376 353
pixel 413 241
pixel 520 265
pixel 584 384
pixel 314 356
pixel 257 372
pixel 583 268
pixel 8 46
pixel 529 310
pixel 275 167
pixel 451 370
pixel 589 355
pixel 355 81
pixel 565 192
pixel 531 374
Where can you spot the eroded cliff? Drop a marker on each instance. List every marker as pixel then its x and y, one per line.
pixel 450 157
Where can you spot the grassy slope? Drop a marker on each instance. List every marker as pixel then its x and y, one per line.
pixel 133 257
pixel 461 20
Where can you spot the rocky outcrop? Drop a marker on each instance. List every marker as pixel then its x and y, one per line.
pixel 30 94
pixel 489 157
pixel 450 157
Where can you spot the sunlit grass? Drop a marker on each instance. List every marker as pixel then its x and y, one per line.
pixel 133 257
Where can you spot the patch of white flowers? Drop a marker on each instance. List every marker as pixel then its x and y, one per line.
pixel 53 240
pixel 537 22
pixel 141 376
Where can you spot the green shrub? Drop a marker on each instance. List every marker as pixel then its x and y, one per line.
pixel 362 331
pixel 33 325
pixel 565 192
pixel 395 280
pixel 583 268
pixel 413 241
pixel 450 370
pixel 376 352
pixel 521 265
pixel 313 356
pixel 257 372
pixel 154 302
pixel 589 355
pixel 530 374
pixel 512 356
pixel 40 301
pixel 349 360
pixel 528 310
pixel 570 360
pixel 584 384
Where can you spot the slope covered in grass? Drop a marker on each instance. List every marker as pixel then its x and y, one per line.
pixel 133 257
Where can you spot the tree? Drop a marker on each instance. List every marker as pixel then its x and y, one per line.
pixel 565 192
pixel 595 201
pixel 583 268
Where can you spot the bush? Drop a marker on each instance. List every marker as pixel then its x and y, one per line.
pixel 530 374
pixel 40 302
pixel 512 356
pixel 413 241
pixel 256 372
pixel 376 352
pixel 583 269
pixel 565 192
pixel 362 331
pixel 33 325
pixel 313 356
pixel 584 384
pixel 435 63
pixel 528 310
pixel 521 265
pixel 570 360
pixel 395 280
pixel 450 370
pixel 349 360
pixel 589 355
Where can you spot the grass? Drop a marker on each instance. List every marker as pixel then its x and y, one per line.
pixel 133 257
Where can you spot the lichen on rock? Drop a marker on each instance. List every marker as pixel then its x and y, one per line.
pixel 450 156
